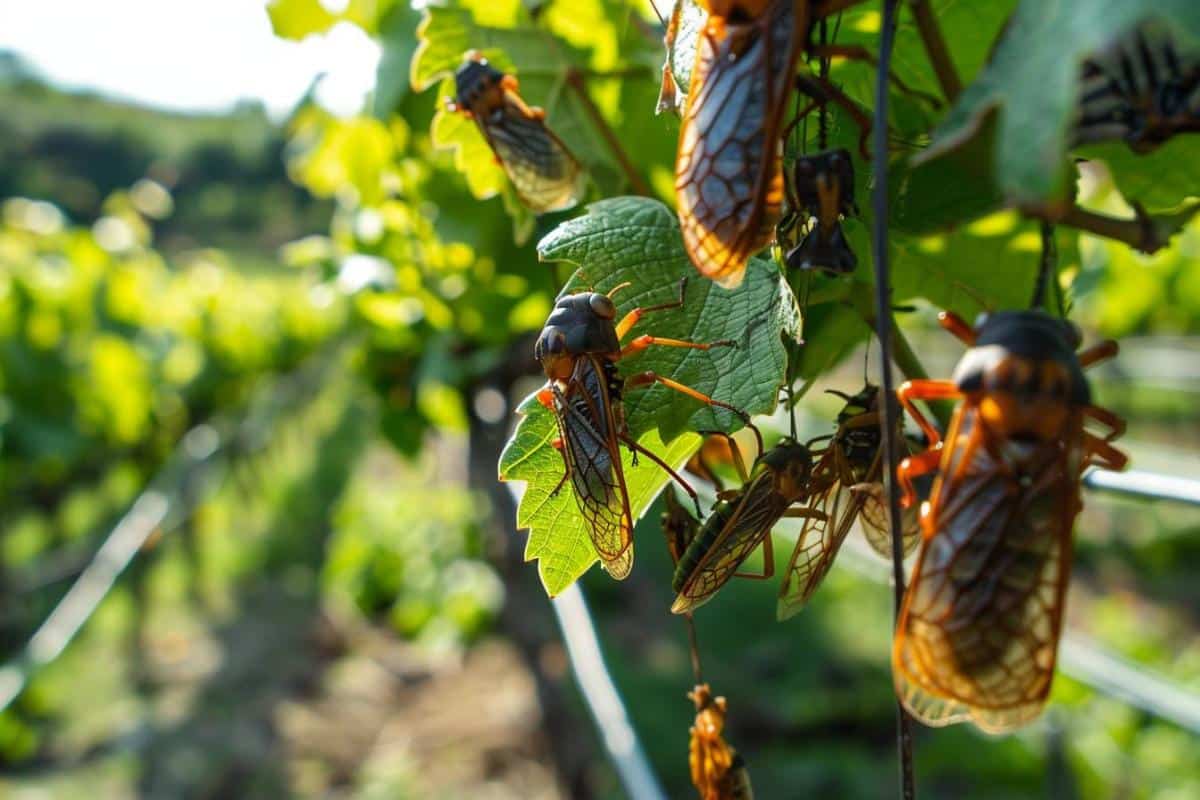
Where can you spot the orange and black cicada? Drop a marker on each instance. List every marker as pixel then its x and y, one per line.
pixel 718 771
pixel 1143 90
pixel 728 166
pixel 579 348
pixel 978 631
pixel 819 187
pixel 846 486
pixel 742 520
pixel 544 173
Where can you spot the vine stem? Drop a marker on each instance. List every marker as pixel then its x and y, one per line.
pixel 936 49
pixel 1145 233
pixel 883 331
pixel 578 84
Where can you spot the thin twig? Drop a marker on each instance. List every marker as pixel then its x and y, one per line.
pixel 576 81
pixel 936 49
pixel 883 329
pixel 1045 266
pixel 1145 232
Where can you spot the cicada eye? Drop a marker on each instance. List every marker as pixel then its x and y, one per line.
pixel 603 306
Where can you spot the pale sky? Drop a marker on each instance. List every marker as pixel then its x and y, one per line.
pixel 186 54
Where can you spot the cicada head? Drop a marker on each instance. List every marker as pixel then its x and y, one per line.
pixel 580 323
pixel 1024 371
pixel 477 83
pixel 790 463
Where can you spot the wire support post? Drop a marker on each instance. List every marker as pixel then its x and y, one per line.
pixel 883 331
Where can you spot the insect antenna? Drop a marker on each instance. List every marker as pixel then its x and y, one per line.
pixel 792 408
pixel 661 19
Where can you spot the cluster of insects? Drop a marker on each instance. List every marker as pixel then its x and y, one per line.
pixel 989 501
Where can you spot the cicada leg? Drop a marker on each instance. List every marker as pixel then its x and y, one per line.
pixel 642 342
pixel 925 389
pixel 913 467
pixel 687 487
pixel 648 378
pixel 958 326
pixel 1098 452
pixel 814 87
pixel 735 452
pixel 629 320
pixel 1101 351
pixel 1114 422
pixel 768 568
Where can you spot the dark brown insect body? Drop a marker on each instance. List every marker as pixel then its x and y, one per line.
pixel 821 188
pixel 741 521
pixel 1143 90
pixel 544 173
pixel 718 771
pixel 978 631
pixel 846 485
pixel 578 349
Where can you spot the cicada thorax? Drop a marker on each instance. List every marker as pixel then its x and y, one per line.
pixel 979 628
pixel 545 174
pixel 740 522
pixel 728 175
pixel 718 771
pixel 1143 89
pixel 820 196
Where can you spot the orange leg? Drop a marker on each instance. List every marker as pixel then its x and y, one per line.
pixel 926 390
pixel 687 487
pixel 1099 453
pixel 768 551
pixel 642 342
pixel 1114 422
pixel 914 467
pixel 647 378
pixel 631 319
pixel 1101 351
pixel 958 326
pixel 546 398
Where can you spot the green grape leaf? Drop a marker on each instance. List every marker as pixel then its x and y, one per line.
pixel 1159 181
pixel 558 538
pixel 296 19
pixel 1033 81
pixel 636 239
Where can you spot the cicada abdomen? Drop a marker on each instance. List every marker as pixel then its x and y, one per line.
pixel 579 348
pixel 978 631
pixel 728 178
pixel 544 173
pixel 718 771
pixel 821 189
pixel 1143 89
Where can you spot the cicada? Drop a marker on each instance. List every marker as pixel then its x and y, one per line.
pixel 1142 90
pixel 544 173
pixel 741 521
pixel 579 348
pixel 679 41
pixel 819 187
pixel 978 631
pixel 718 771
pixel 846 486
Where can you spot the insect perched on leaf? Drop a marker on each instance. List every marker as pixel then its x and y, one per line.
pixel 544 173
pixel 679 41
pixel 741 521
pixel 579 348
pixel 820 187
pixel 718 771
pixel 846 485
pixel 978 631
pixel 1143 89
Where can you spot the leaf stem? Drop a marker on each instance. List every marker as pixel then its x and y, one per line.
pixel 889 411
pixel 1145 232
pixel 936 49
pixel 575 79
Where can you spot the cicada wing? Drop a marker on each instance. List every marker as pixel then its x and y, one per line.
pixel 544 173
pixel 753 516
pixel 978 632
pixel 875 526
pixel 728 169
pixel 593 459
pixel 818 544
